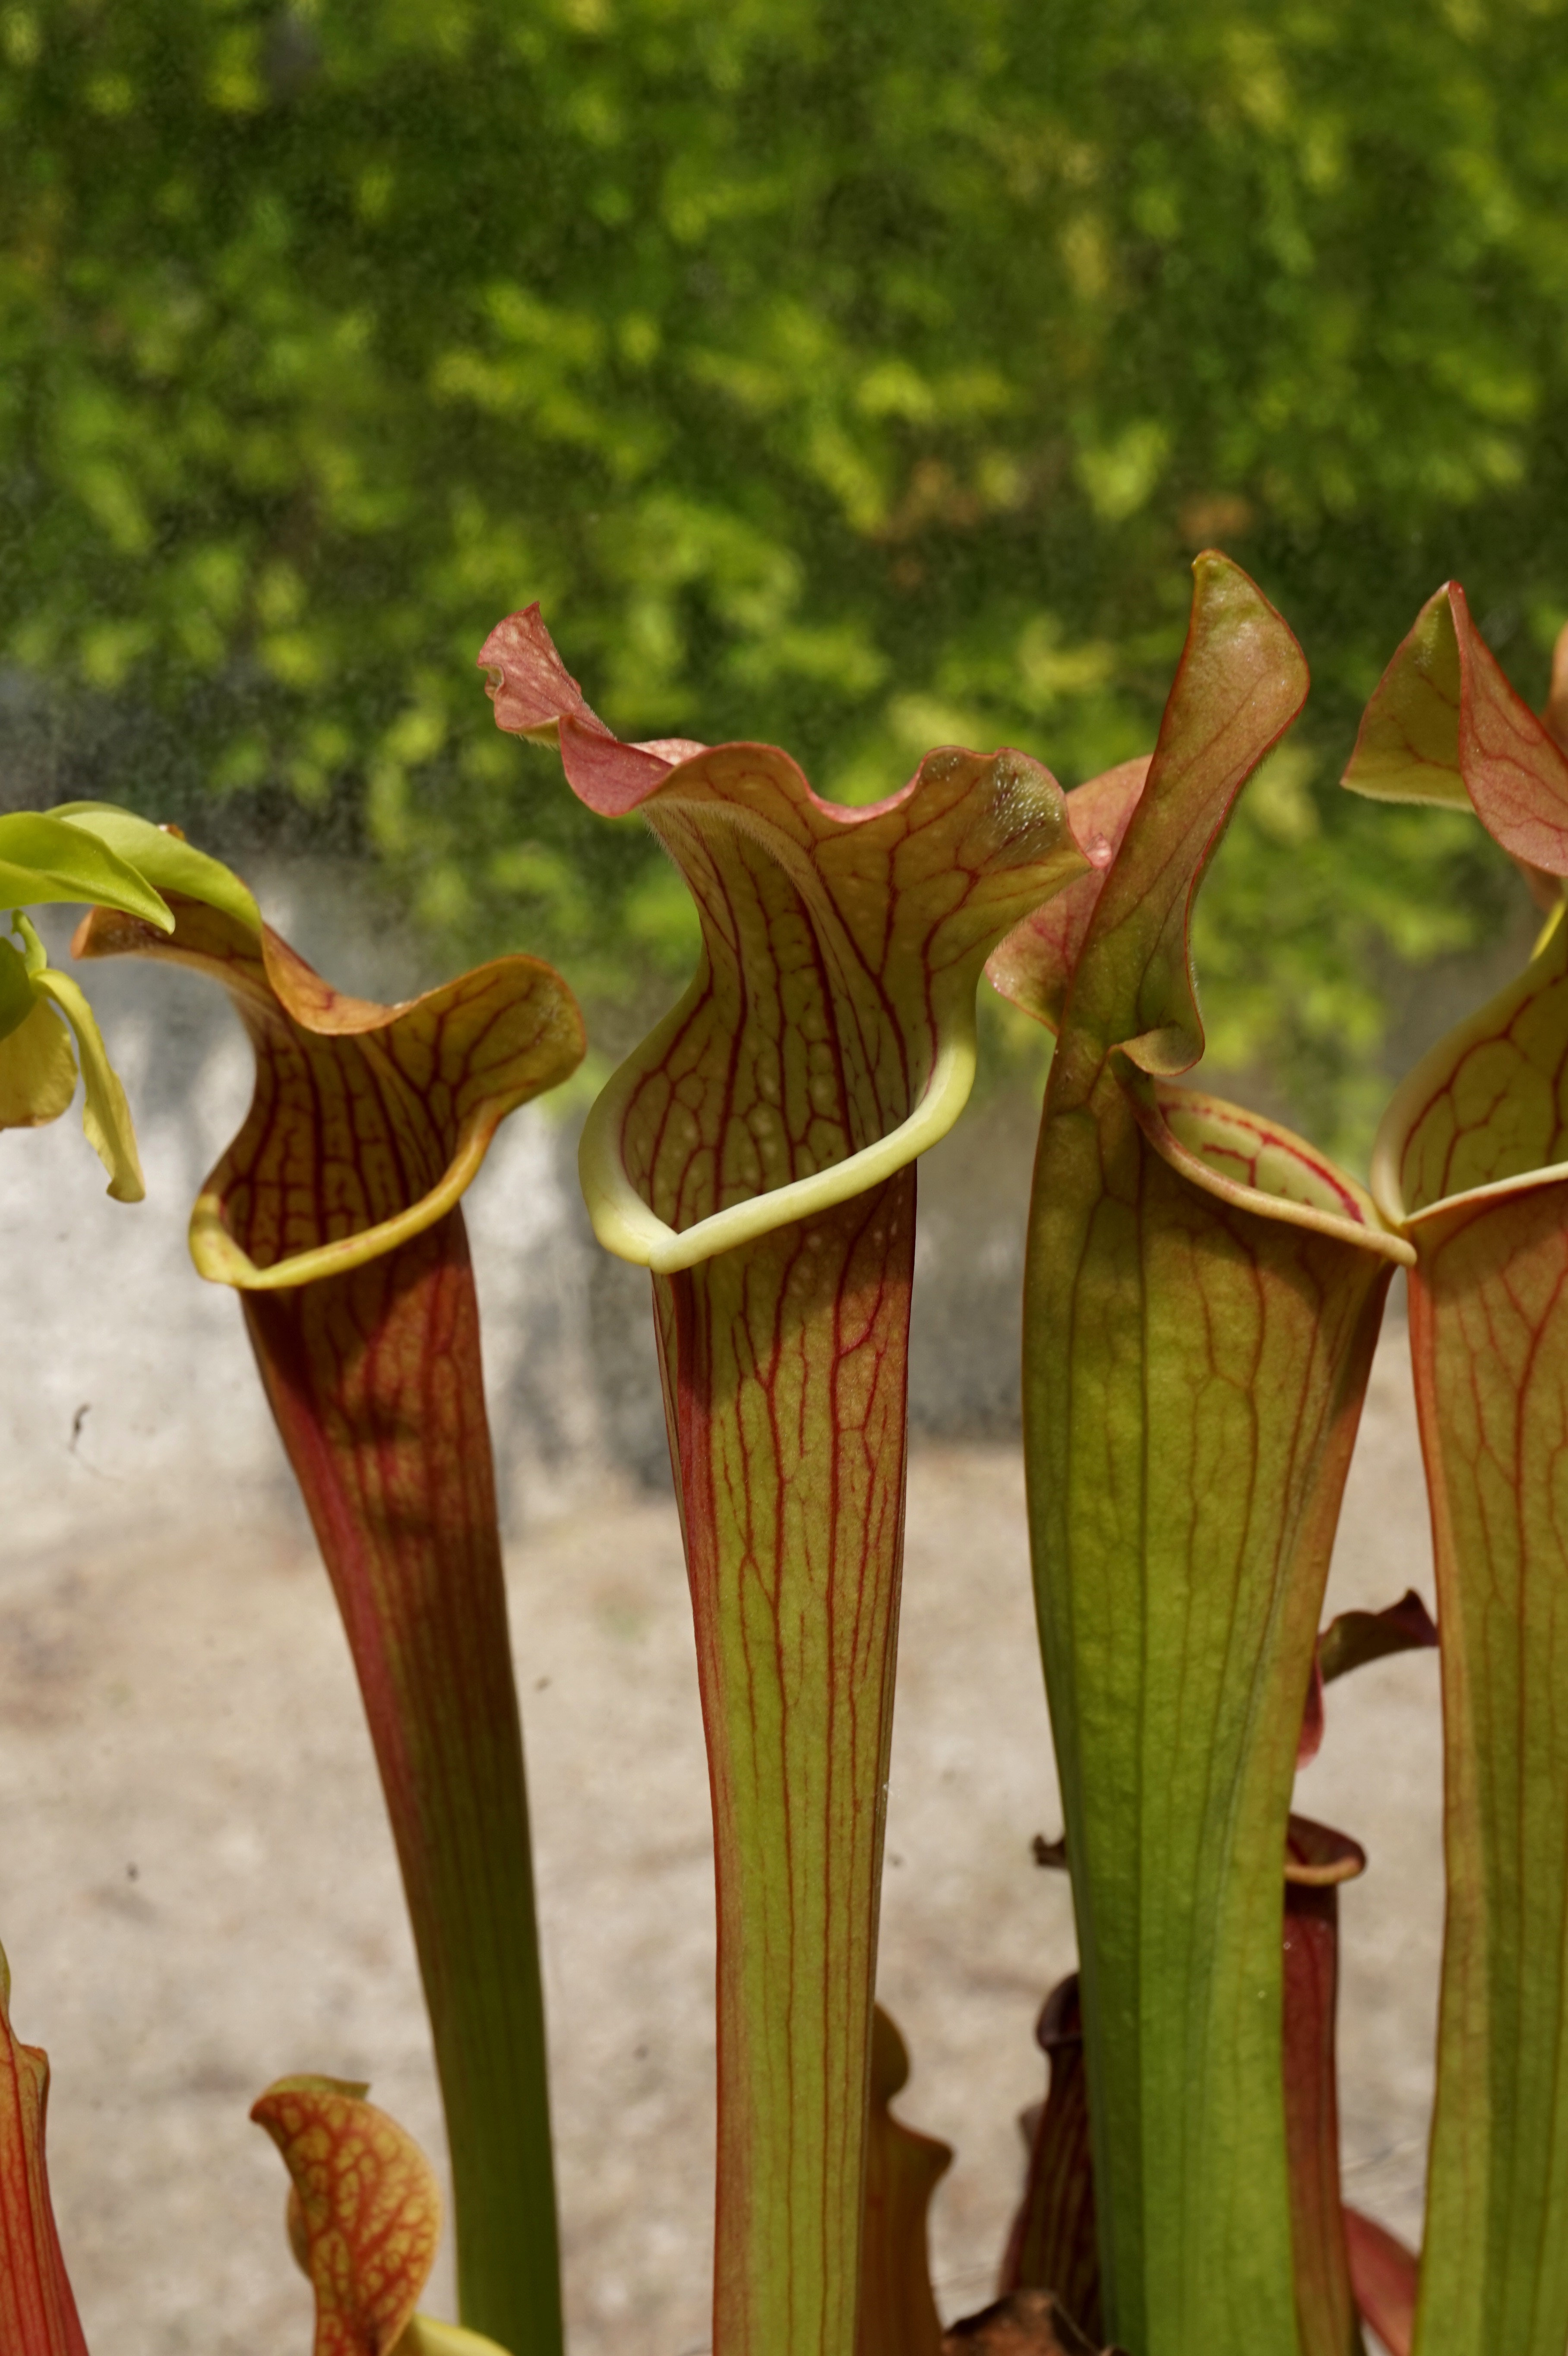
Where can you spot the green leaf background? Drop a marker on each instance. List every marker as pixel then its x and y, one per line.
pixel 854 378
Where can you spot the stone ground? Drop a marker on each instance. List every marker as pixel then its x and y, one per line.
pixel 197 1893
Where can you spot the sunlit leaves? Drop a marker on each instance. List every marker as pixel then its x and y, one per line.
pixel 50 857
pixel 162 858
pixel 45 857
pixel 821 367
pixel 38 1070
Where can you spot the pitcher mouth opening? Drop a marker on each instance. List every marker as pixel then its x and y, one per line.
pixel 626 1225
pixel 1319 1197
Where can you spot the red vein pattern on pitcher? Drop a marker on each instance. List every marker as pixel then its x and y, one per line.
pixel 1472 1162
pixel 38 2312
pixel 1201 1297
pixel 335 1210
pixel 364 2213
pixel 757 1154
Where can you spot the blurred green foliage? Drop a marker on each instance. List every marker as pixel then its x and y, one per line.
pixel 859 378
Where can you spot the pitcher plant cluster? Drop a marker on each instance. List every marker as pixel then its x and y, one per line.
pixel 1203 1292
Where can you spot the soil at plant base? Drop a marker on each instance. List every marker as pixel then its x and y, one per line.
pixel 197 1894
